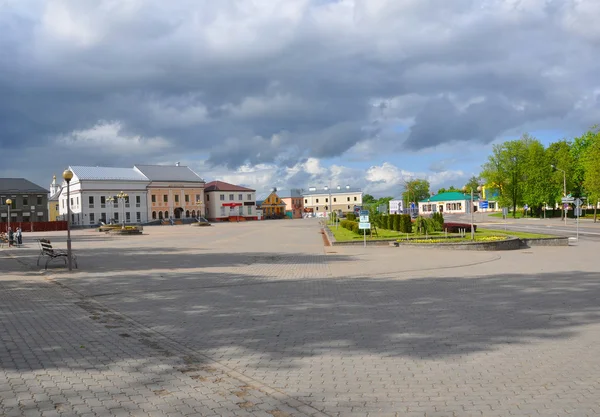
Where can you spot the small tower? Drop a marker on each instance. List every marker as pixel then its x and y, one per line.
pixel 53 186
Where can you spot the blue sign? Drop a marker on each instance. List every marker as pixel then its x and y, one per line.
pixel 364 212
pixel 483 204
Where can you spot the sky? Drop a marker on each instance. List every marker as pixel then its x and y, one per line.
pixel 292 93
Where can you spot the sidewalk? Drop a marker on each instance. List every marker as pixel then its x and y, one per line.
pixel 71 356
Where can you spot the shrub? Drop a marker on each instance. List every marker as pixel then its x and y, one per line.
pixel 405 223
pixel 355 228
pixel 424 225
pixel 396 222
pixel 455 227
pixel 438 218
pixel 351 216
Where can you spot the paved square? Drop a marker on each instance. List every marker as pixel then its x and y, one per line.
pixel 259 318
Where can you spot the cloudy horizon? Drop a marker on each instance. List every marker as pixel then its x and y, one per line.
pixel 292 93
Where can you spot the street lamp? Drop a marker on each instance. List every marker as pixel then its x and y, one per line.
pixel 8 203
pixel 200 205
pixel 110 201
pixel 564 189
pixel 68 176
pixel 472 208
pixel 122 196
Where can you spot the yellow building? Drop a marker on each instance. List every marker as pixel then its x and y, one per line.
pixel 273 206
pixel 53 212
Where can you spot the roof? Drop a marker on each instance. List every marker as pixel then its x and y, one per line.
pixel 56 195
pixel 177 173
pixel 224 186
pixel 293 193
pixel 449 196
pixel 20 185
pixel 332 191
pixel 107 173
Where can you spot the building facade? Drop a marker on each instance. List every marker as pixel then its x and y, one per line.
pixel 294 203
pixel 53 203
pixel 321 202
pixel 451 202
pixel 29 202
pixel 224 201
pixel 174 191
pixel 91 190
pixel 273 206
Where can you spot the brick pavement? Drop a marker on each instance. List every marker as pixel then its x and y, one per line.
pixel 348 331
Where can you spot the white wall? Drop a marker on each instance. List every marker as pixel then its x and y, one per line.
pixel 214 203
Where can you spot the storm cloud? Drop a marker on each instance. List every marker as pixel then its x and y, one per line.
pixel 254 82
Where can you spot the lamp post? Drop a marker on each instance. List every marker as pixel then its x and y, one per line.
pixel 200 205
pixel 472 207
pixel 8 203
pixel 68 176
pixel 122 196
pixel 564 190
pixel 110 201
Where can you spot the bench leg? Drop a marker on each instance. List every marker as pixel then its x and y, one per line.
pixel 48 260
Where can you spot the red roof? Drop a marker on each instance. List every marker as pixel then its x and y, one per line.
pixel 224 186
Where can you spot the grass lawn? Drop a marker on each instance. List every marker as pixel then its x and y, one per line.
pixel 345 235
pixel 510 214
pixel 523 235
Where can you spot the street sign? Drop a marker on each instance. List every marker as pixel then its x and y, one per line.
pixel 364 212
pixel 483 204
pixel 578 203
pixel 364 219
pixel 578 211
pixel 365 225
pixel 565 206
pixel 568 199
pixel 526 207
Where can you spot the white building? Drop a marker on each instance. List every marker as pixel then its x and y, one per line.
pixel 396 206
pixel 90 189
pixel 225 200
pixel 321 202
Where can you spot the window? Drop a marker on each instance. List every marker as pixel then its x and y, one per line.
pixel 222 211
pixel 71 201
pixel 348 198
pixel 138 201
pixel 317 208
pixel 240 197
pixel 222 197
pixel 334 199
pixel 153 215
pixel 177 198
pixel 102 202
pixel 39 200
pixel 230 197
pixel 116 215
pixel 165 198
pixel 153 198
pixel 198 197
pixel 103 217
pixel 115 201
pixel 25 200
pixel 249 196
pixel 317 200
pixel 326 200
pixel 187 198
pixel 160 215
pixel 92 218
pixel 138 217
pixel 348 207
pixel 166 214
pixel 91 202
pixel 249 210
pixel 354 198
pixel 306 201
pixel 127 201
pixel 128 217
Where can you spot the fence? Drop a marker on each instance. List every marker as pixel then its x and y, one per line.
pixel 35 226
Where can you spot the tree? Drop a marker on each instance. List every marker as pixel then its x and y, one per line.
pixel 504 170
pixel 450 189
pixel 415 190
pixel 591 169
pixel 368 199
pixel 472 184
pixel 536 175
pixel 559 155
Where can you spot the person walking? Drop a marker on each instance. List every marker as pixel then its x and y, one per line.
pixel 19 236
pixel 11 237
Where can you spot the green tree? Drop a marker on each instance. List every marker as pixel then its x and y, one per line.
pixel 504 170
pixel 450 189
pixel 415 190
pixel 590 161
pixel 536 175
pixel 368 199
pixel 472 184
pixel 559 155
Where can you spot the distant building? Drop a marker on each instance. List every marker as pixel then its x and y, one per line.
pixel 450 202
pixel 343 199
pixel 53 203
pixel 396 206
pixel 91 188
pixel 273 206
pixel 174 191
pixel 225 201
pixel 29 202
pixel 294 203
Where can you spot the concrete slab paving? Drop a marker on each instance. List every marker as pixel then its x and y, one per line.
pixel 255 318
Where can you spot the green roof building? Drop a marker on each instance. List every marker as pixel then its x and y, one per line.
pixel 451 202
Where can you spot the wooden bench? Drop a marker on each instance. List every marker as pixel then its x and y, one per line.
pixel 46 250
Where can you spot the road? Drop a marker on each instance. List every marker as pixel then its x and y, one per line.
pixel 588 230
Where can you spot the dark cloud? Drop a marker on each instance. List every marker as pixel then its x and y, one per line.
pixel 280 81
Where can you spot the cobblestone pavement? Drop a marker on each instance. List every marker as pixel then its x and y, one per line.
pixel 261 319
